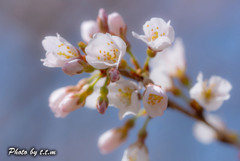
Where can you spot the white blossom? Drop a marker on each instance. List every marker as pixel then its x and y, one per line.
pixel 105 51
pixel 211 93
pixel 204 133
pixel 123 94
pixel 136 152
pixel 88 29
pixel 172 60
pixel 155 100
pixel 58 51
pixel 158 34
pixel 110 140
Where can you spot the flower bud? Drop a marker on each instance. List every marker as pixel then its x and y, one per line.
pixel 73 67
pixel 114 74
pixel 116 24
pixel 110 140
pixel 88 29
pixel 136 152
pixel 102 20
pixel 62 102
pixel 102 104
pixel 70 103
pixel 155 100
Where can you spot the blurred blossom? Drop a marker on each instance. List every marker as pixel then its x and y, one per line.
pixel 158 34
pixel 172 60
pixel 136 152
pixel 110 140
pixel 211 93
pixel 58 51
pixel 160 77
pixel 88 29
pixel 206 134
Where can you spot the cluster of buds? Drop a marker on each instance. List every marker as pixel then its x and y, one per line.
pixel 102 55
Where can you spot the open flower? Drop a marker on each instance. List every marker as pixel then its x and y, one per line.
pixel 136 152
pixel 105 51
pixel 62 102
pixel 204 133
pixel 211 93
pixel 172 60
pixel 155 100
pixel 158 34
pixel 58 51
pixel 88 29
pixel 123 94
pixel 110 140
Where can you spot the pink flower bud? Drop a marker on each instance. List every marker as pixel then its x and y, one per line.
pixel 155 100
pixel 69 103
pixel 110 140
pixel 73 67
pixel 114 74
pixel 102 15
pixel 62 101
pixel 116 24
pixel 102 104
pixel 102 20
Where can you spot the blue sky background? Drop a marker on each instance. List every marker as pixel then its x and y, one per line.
pixel 210 30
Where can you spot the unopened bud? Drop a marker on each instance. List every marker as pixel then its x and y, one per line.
pixel 114 74
pixel 102 104
pixel 102 20
pixel 116 24
pixel 73 67
pixel 110 140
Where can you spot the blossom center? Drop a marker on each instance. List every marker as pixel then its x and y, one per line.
pixel 208 94
pixel 153 99
pixel 125 95
pixel 132 158
pixel 66 51
pixel 110 54
pixel 155 33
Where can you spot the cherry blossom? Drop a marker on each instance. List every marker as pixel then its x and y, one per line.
pixel 211 93
pixel 158 34
pixel 105 51
pixel 58 51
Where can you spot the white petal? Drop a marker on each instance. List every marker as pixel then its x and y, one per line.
pixel 88 29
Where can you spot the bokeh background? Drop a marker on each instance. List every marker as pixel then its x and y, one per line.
pixel 210 30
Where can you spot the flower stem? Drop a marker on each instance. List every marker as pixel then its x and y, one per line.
pixel 223 136
pixel 142 134
pixel 133 59
pixel 146 66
